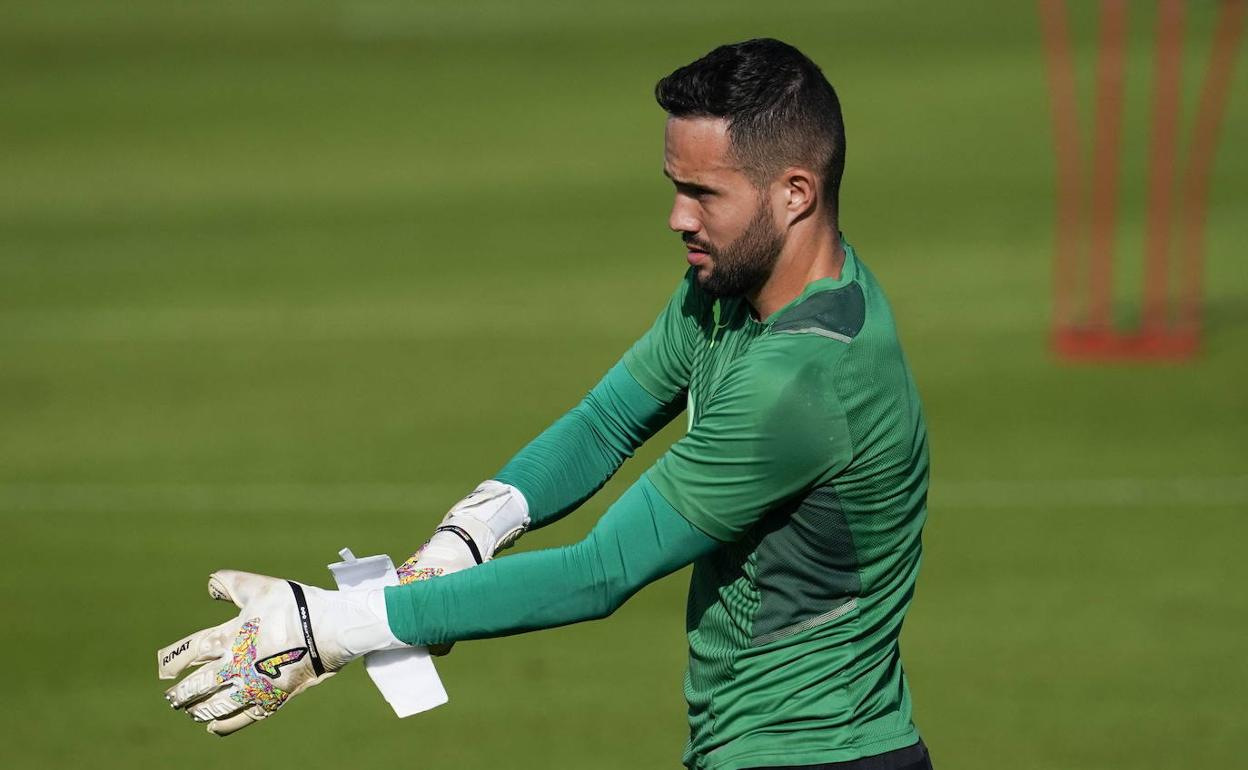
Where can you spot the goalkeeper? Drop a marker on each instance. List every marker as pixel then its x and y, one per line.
pixel 798 492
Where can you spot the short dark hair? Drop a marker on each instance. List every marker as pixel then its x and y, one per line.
pixel 780 109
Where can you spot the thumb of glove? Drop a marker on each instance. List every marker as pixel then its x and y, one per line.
pixel 238 587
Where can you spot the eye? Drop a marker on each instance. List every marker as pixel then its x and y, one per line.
pixel 697 192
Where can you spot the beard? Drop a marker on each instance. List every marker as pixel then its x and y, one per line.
pixel 743 266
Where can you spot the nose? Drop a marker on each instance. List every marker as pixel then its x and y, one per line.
pixel 683 218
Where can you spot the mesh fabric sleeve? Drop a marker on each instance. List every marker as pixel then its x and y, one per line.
pixel 639 539
pixel 774 427
pixel 571 460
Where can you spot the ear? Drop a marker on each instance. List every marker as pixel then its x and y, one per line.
pixel 798 193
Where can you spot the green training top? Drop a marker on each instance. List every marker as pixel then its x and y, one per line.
pixel 807 454
pixel 799 492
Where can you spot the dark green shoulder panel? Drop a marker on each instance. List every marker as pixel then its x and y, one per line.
pixel 838 313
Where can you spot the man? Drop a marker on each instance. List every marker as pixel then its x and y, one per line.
pixel 798 492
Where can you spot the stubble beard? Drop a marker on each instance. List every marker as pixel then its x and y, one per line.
pixel 743 266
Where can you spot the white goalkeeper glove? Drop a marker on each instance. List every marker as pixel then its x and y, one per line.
pixel 491 518
pixel 287 638
pixel 485 522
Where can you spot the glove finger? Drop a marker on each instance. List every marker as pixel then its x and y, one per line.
pixel 252 714
pixel 239 587
pixel 199 647
pixel 200 684
pixel 231 725
pixel 220 706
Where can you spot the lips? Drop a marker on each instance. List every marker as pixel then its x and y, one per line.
pixel 697 254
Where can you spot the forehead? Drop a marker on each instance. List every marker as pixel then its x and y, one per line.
pixel 697 149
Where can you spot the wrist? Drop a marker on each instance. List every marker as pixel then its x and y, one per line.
pixel 359 620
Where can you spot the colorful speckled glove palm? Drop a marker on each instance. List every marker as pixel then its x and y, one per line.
pixel 287 638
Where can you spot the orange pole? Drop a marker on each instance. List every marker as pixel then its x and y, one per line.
pixel 1161 177
pixel 1067 242
pixel 1230 27
pixel 1105 158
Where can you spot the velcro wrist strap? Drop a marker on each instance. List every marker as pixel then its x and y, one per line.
pixel 305 623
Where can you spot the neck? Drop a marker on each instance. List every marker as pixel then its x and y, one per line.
pixel 808 255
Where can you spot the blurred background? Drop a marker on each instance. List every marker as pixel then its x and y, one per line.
pixel 280 277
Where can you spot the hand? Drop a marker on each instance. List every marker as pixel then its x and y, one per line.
pixel 287 638
pixel 485 522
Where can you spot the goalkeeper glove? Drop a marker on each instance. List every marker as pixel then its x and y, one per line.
pixel 491 518
pixel 287 638
pixel 485 522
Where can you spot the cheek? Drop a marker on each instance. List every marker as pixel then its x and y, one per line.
pixel 717 224
pixel 724 225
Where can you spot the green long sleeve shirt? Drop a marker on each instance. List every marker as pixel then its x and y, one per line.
pixel 798 492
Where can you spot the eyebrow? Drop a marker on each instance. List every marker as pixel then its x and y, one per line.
pixel 680 183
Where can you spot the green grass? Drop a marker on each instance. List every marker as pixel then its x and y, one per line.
pixel 281 277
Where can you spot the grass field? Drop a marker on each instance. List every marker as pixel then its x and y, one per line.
pixel 279 277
